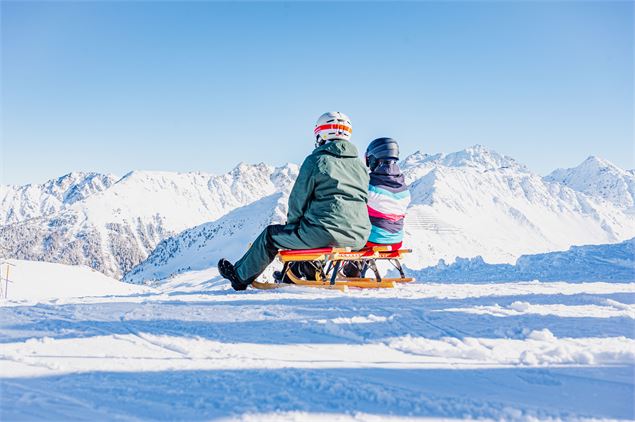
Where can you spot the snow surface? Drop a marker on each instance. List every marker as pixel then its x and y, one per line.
pixel 613 262
pixel 34 281
pixel 191 348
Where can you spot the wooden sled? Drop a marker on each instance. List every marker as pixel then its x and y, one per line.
pixel 328 263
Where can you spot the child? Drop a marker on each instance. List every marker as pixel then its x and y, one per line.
pixel 388 198
pixel 388 195
pixel 327 205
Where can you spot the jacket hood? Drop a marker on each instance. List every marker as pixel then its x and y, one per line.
pixel 338 148
pixel 388 174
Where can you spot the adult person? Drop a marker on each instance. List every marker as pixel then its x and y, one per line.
pixel 327 205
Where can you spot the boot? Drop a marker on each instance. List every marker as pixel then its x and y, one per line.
pixel 352 269
pixel 228 272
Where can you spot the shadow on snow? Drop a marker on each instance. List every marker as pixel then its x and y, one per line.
pixel 290 321
pixel 600 392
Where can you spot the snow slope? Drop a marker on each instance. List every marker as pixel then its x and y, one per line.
pixel 470 203
pixel 113 230
pixel 192 349
pixel 599 178
pixel 37 281
pixel 201 247
pixel 613 262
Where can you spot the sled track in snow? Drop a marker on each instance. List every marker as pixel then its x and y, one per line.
pixel 428 222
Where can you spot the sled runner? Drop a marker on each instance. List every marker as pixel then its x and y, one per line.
pixel 327 266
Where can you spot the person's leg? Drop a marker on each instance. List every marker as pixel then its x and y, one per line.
pixel 265 248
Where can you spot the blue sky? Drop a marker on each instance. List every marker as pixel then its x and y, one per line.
pixel 201 86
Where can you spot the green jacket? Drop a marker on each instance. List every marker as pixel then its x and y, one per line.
pixel 328 200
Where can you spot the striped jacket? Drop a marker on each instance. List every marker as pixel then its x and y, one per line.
pixel 388 198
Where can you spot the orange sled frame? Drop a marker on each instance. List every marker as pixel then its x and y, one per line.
pixel 328 264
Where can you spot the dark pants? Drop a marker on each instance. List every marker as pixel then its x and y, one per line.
pixel 266 246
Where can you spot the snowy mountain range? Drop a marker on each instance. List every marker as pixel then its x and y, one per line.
pixel 19 203
pixel 470 203
pixel 150 225
pixel 599 178
pixel 115 228
pixel 501 210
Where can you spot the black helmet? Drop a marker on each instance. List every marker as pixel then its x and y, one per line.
pixel 381 149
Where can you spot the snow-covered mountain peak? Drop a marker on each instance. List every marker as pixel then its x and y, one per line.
pixel 593 161
pixel 476 156
pixel 483 158
pixel 67 179
pixel 131 175
pixel 19 203
pixel 284 176
pixel 242 168
pixel 592 166
pixel 419 159
pixel 140 176
pixel 599 177
pixel 255 171
pixel 75 185
pixel 86 185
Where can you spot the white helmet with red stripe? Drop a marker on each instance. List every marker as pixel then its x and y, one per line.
pixel 333 125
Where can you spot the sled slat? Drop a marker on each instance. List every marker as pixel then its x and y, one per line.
pixel 301 257
pixel 305 251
